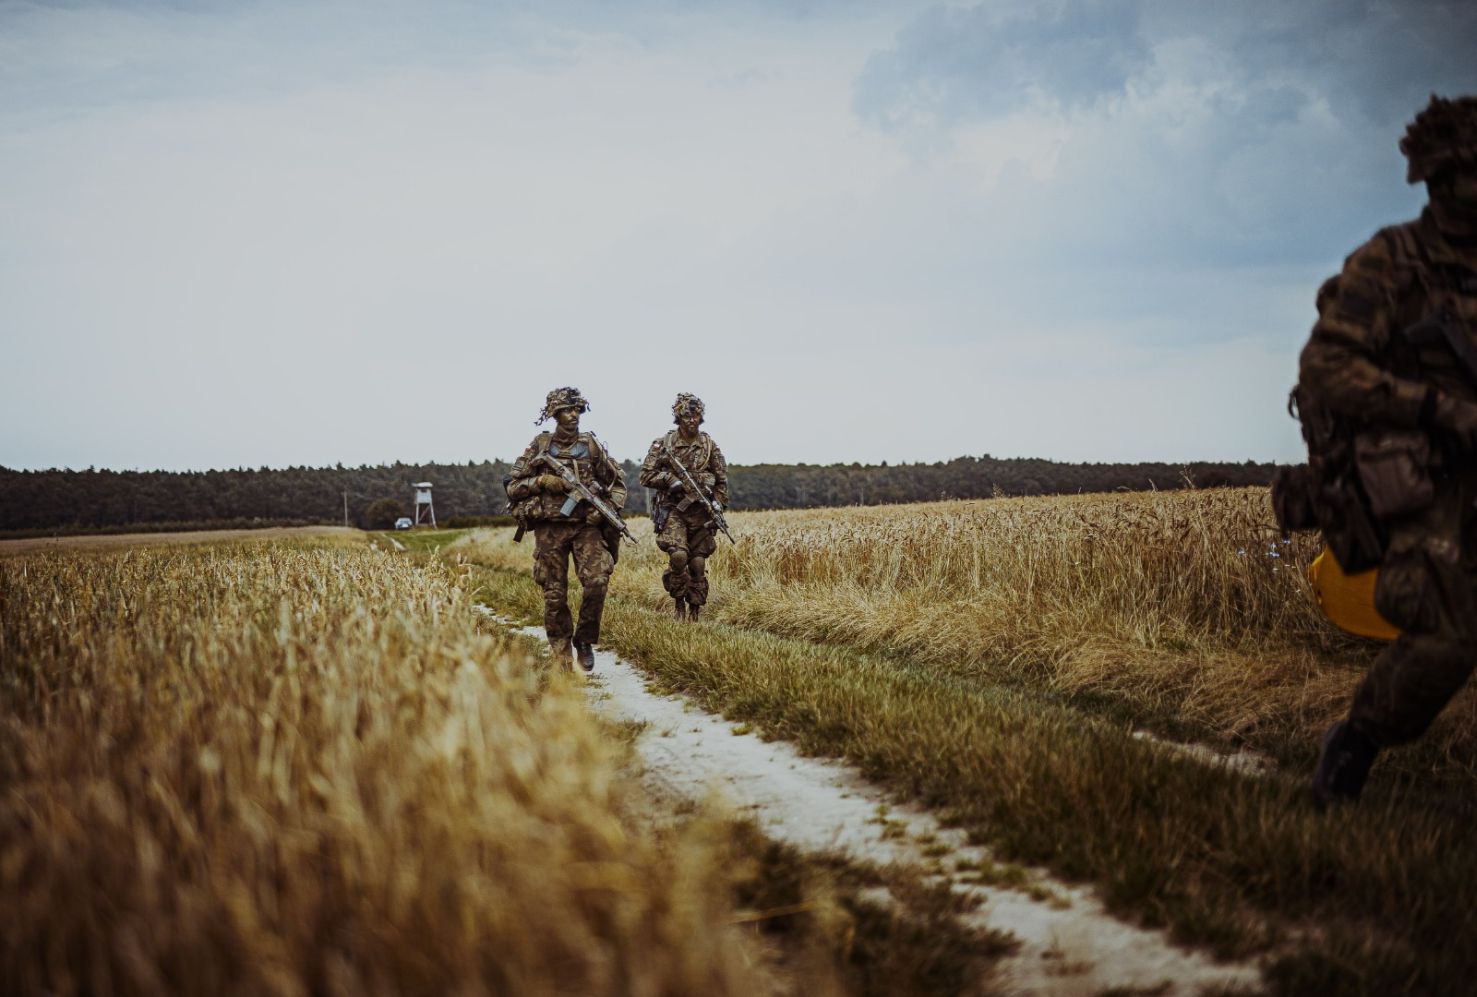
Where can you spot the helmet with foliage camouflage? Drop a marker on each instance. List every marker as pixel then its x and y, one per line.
pixel 687 404
pixel 562 398
pixel 1442 139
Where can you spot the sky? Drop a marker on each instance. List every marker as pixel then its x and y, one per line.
pixel 260 233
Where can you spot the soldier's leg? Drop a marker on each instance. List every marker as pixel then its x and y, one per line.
pixel 1423 590
pixel 593 564
pixel 551 574
pixel 673 540
pixel 701 544
pixel 1408 685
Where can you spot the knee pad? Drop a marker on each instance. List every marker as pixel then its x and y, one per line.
pixel 696 566
pixel 679 560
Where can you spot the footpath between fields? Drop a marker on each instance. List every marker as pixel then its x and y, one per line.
pixel 1066 942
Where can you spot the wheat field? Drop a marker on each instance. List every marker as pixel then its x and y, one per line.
pixel 296 768
pixel 1186 606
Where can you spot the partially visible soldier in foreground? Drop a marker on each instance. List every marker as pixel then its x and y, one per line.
pixel 683 524
pixel 1388 399
pixel 541 501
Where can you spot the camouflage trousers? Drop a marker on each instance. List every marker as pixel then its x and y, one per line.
pixel 689 541
pixel 1427 587
pixel 556 543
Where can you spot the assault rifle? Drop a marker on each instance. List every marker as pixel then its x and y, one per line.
pixel 578 490
pixel 694 491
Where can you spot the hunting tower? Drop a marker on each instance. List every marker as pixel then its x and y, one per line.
pixel 423 506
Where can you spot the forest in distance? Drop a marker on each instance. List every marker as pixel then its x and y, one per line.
pixel 63 500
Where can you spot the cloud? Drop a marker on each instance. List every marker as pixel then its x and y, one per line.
pixel 956 63
pixel 1230 133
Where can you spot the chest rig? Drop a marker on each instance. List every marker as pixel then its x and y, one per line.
pixel 579 456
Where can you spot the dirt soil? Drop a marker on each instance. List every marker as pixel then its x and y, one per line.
pixel 100 540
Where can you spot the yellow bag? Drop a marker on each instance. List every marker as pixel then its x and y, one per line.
pixel 1348 600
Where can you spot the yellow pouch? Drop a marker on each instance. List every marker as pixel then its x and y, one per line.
pixel 1348 600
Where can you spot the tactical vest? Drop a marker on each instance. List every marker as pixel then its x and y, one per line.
pixel 580 456
pixel 1360 477
pixel 705 442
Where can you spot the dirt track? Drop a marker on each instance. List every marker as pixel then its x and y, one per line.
pixel 95 540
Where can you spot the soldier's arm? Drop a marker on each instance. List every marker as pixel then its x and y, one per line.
pixel 523 478
pixel 1343 362
pixel 718 468
pixel 654 472
pixel 610 475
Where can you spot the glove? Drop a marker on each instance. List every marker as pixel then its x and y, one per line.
pixel 552 483
pixel 594 518
pixel 675 486
pixel 706 480
pixel 1457 419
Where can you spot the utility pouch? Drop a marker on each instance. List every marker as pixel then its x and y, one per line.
pixel 1349 528
pixel 659 516
pixel 1395 469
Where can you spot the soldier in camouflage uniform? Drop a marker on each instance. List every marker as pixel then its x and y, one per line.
pixel 683 527
pixel 539 499
pixel 1392 359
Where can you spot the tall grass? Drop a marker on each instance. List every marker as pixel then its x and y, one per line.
pixel 301 769
pixel 1180 610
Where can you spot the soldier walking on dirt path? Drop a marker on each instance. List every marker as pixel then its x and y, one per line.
pixel 683 523
pixel 566 526
pixel 1388 400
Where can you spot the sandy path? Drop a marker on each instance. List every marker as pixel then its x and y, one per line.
pixel 1070 947
pixel 95 540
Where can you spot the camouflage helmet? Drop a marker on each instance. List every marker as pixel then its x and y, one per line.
pixel 562 398
pixel 687 404
pixel 1442 139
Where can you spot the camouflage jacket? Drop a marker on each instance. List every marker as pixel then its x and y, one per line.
pixel 588 459
pixel 701 457
pixel 1357 361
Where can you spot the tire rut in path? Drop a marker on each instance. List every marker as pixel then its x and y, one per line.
pixel 1069 944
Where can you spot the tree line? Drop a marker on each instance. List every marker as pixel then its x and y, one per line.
pixel 98 499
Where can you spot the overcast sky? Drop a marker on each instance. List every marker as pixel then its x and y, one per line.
pixel 278 233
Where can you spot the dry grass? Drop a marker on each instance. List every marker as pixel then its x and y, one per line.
pixel 300 768
pixel 990 659
pixel 1166 607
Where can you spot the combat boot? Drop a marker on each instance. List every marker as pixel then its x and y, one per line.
pixel 681 611
pixel 692 611
pixel 1343 766
pixel 584 652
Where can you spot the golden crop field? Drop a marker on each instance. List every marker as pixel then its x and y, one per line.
pixel 1186 602
pixel 297 768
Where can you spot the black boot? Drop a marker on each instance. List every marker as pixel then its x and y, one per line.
pixel 692 611
pixel 585 653
pixel 1343 766
pixel 681 610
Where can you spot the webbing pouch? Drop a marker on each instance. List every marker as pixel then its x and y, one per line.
pixel 1395 469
